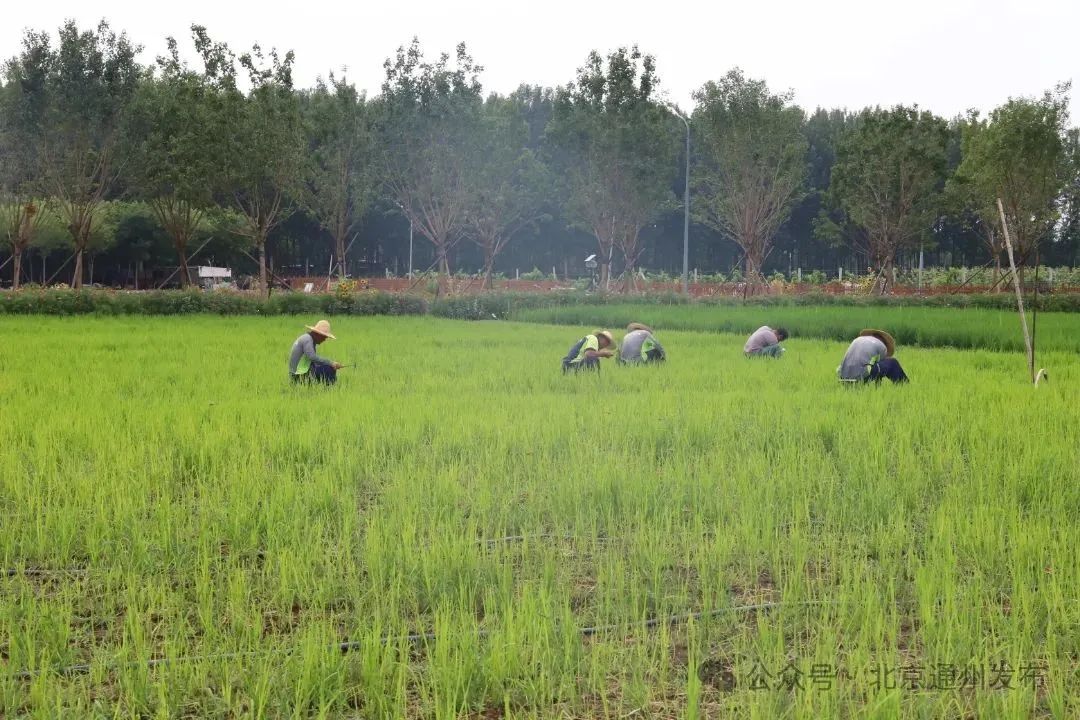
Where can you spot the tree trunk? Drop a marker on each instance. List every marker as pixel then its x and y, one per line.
pixel 443 274
pixel 339 246
pixel 885 277
pixel 997 273
pixel 489 267
pixel 181 256
pixel 76 279
pixel 631 282
pixel 17 262
pixel 264 283
pixel 754 278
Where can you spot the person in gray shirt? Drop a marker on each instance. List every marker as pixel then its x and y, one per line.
pixel 640 346
pixel 870 358
pixel 765 342
pixel 305 365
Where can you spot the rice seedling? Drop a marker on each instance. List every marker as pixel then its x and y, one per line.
pixel 458 530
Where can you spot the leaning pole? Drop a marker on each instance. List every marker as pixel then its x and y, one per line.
pixel 1019 294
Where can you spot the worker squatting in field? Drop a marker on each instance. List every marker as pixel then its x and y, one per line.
pixel 305 365
pixel 587 352
pixel 639 345
pixel 870 358
pixel 765 342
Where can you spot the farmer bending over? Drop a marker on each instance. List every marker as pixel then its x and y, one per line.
pixel 870 357
pixel 586 353
pixel 765 342
pixel 305 365
pixel 639 345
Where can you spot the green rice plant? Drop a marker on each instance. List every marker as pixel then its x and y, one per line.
pixel 456 529
pixel 923 326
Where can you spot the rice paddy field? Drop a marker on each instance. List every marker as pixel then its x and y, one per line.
pixel 923 326
pixel 458 530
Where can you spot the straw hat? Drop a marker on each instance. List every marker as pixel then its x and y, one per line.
pixel 605 334
pixel 637 326
pixel 890 344
pixel 322 328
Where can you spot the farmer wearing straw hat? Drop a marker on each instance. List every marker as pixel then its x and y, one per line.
pixel 305 365
pixel 639 345
pixel 870 358
pixel 586 352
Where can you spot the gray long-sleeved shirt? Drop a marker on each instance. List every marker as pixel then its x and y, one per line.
pixel 637 344
pixel 304 347
pixel 862 352
pixel 762 338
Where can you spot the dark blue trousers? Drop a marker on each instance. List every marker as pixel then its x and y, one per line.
pixel 887 368
pixel 318 373
pixel 586 364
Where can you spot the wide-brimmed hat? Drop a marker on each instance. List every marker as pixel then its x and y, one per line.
pixel 322 328
pixel 605 334
pixel 638 326
pixel 890 344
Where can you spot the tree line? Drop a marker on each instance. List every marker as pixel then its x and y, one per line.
pixel 130 165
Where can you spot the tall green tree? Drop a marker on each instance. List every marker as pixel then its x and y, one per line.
pixel 509 182
pixel 178 144
pixel 1018 155
pixel 966 204
pixel 73 100
pixel 1067 243
pixel 752 164
pixel 343 176
pixel 887 182
pixel 22 220
pixel 21 209
pixel 267 166
pixel 429 127
pixel 615 147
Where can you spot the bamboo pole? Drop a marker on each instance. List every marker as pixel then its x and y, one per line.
pixel 1019 294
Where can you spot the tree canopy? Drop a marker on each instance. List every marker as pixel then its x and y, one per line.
pixel 887 180
pixel 751 162
pixel 226 160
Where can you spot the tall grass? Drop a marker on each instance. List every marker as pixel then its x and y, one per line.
pixel 165 493
pixel 924 326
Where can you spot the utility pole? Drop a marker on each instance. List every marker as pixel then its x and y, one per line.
pixel 920 266
pixel 409 217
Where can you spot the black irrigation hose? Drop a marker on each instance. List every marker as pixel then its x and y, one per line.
pixel 489 542
pixel 43 572
pixel 350 645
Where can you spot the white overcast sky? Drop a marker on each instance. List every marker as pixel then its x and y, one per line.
pixel 945 55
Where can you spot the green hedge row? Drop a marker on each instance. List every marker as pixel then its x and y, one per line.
pixel 475 307
pixel 176 302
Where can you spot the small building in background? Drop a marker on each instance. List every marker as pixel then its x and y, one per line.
pixel 211 278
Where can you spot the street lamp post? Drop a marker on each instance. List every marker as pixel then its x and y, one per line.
pixel 686 206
